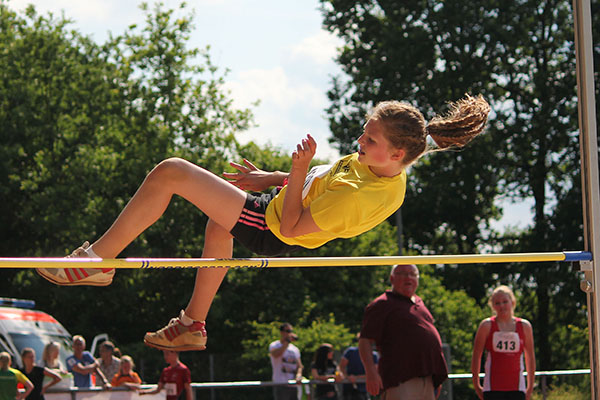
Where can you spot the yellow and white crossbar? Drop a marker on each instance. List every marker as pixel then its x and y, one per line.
pixel 288 262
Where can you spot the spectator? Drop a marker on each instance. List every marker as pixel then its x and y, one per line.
pixel 286 363
pixel 412 364
pixel 505 338
pixel 176 379
pixel 81 364
pixel 352 369
pixel 36 375
pixel 107 363
pixel 324 368
pixel 126 376
pixel 9 378
pixel 50 357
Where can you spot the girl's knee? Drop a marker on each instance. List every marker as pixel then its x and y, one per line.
pixel 216 232
pixel 169 170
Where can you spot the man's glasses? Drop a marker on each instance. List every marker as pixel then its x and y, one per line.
pixel 288 330
pixel 407 274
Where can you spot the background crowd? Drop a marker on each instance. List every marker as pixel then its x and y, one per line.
pixel 398 355
pixel 409 363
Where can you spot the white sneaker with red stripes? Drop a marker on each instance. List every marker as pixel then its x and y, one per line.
pixel 178 337
pixel 79 276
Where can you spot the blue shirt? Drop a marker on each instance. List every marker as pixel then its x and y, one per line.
pixel 81 380
pixel 355 367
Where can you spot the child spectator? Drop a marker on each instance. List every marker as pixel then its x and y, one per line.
pixel 126 376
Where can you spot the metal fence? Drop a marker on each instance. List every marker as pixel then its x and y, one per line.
pixel 200 389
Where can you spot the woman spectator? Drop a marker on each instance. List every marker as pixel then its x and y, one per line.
pixel 126 376
pixel 324 368
pixel 36 375
pixel 50 357
pixel 505 338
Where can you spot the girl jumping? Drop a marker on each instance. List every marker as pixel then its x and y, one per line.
pixel 307 209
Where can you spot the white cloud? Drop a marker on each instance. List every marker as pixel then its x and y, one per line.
pixel 76 10
pixel 319 47
pixel 289 109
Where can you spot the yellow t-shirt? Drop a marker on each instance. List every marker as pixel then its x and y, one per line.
pixel 345 200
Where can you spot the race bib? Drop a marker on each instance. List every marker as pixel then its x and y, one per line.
pixel 318 171
pixel 171 389
pixel 506 342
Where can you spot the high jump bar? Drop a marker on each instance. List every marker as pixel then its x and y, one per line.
pixel 287 262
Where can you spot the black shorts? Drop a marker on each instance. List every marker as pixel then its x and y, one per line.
pixel 252 231
pixel 498 395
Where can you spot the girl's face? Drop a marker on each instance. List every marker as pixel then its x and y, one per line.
pixel 502 304
pixel 29 358
pixel 330 355
pixel 126 367
pixel 375 149
pixel 53 353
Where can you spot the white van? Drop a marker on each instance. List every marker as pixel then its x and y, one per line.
pixel 21 326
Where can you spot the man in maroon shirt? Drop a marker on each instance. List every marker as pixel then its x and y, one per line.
pixel 411 364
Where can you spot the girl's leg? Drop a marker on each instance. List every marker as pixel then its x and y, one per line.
pixel 179 335
pixel 218 199
pixel 218 243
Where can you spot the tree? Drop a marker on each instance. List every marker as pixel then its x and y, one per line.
pixel 520 56
pixel 82 125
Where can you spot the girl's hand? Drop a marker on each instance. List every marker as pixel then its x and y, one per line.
pixel 249 177
pixel 479 391
pixel 304 153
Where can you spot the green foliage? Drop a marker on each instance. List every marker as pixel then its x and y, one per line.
pixel 311 335
pixel 457 317
pixel 83 123
pixel 564 392
pixel 520 56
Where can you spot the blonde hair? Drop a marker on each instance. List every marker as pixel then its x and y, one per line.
pixel 407 129
pixel 4 361
pixel 504 290
pixel 46 361
pixel 129 360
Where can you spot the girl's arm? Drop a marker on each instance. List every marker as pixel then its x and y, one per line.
pixel 478 346
pixel 295 219
pixel 315 375
pixel 157 389
pixel 55 379
pixel 251 178
pixel 28 388
pixel 131 385
pixel 529 358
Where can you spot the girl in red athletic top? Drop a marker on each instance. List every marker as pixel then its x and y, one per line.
pixel 506 339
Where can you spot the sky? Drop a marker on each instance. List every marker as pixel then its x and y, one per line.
pixel 276 52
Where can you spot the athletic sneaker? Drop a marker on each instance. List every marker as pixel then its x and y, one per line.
pixel 178 337
pixel 78 276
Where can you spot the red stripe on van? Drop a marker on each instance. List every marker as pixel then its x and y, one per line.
pixel 26 315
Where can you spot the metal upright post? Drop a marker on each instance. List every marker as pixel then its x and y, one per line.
pixel 588 140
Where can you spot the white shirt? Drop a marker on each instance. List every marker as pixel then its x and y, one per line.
pixel 285 366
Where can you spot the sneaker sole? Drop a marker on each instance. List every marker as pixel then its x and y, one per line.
pixel 80 283
pixel 175 348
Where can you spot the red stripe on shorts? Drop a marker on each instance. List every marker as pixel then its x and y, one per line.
pixel 249 218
